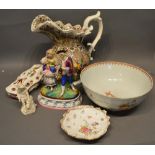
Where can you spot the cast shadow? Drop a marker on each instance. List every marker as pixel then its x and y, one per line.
pixel 124 112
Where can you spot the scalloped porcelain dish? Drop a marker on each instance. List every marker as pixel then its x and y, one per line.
pixel 116 85
pixel 85 122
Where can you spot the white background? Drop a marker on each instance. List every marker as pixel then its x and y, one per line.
pixel 77 4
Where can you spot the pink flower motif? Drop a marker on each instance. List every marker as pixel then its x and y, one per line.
pixel 85 130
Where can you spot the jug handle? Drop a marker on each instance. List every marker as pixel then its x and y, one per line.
pixel 86 26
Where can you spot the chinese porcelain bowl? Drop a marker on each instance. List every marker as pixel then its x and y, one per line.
pixel 116 85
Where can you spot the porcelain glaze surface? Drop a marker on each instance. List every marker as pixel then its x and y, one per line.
pixel 116 85
pixel 85 122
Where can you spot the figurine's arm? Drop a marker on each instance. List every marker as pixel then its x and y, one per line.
pixel 43 60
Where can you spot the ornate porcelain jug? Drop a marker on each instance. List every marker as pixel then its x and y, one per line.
pixel 68 39
pixel 64 61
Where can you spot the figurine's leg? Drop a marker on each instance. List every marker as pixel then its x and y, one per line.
pixel 23 107
pixel 23 102
pixel 70 79
pixel 28 103
pixel 54 83
pixel 63 82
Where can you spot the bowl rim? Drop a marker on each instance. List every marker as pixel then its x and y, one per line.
pixel 119 63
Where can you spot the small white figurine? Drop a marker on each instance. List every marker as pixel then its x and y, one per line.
pixel 28 105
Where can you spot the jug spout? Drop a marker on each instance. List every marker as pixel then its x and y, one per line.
pixel 58 31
